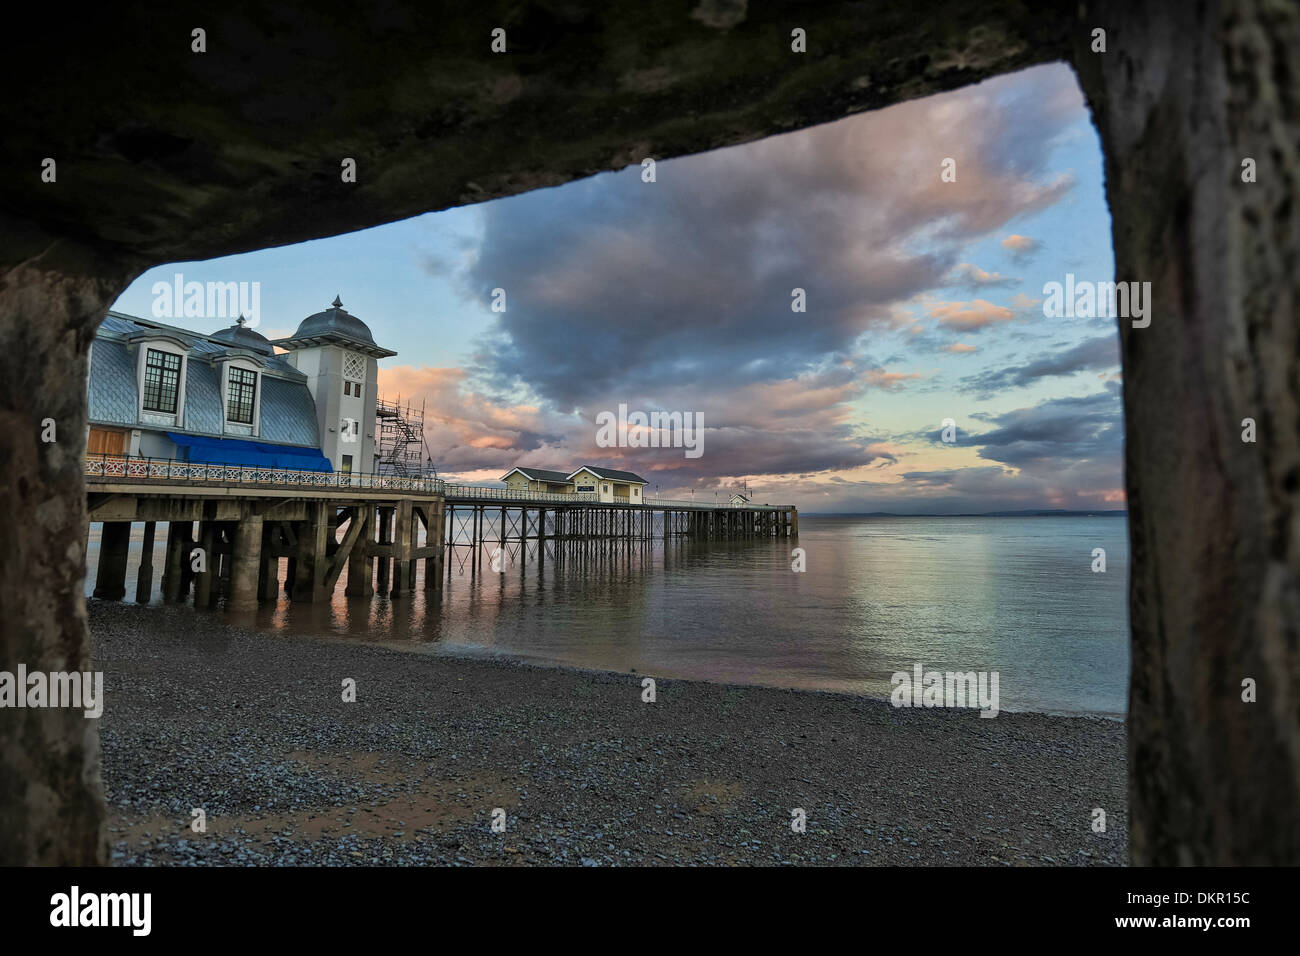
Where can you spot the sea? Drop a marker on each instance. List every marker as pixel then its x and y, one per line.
pixel 863 599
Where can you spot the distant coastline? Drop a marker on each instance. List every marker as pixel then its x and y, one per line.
pixel 1060 513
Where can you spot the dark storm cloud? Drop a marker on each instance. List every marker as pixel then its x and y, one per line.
pixel 1100 353
pixel 1060 434
pixel 675 295
pixel 619 287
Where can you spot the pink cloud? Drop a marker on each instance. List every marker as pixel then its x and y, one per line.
pixel 968 316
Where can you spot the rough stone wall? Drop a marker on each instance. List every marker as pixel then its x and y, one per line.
pixel 1182 96
pixel 176 155
pixel 51 796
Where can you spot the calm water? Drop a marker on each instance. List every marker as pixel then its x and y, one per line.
pixel 1012 595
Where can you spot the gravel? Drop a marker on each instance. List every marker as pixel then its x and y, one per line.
pixel 250 728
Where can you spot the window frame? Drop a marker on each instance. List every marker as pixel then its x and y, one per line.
pixel 235 380
pixel 163 369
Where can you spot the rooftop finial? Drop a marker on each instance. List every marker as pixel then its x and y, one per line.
pixel 336 303
pixel 240 321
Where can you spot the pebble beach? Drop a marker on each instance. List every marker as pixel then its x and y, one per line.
pixel 435 753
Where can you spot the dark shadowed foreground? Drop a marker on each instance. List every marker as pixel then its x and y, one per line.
pixel 252 729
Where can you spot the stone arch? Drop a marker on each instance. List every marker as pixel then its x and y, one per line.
pixel 240 148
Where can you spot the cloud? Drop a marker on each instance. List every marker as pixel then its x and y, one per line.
pixel 761 428
pixel 970 316
pixel 1021 248
pixel 889 381
pixel 613 283
pixel 676 296
pixel 1082 436
pixel 1101 352
pixel 970 276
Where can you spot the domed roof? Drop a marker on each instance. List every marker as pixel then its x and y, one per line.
pixel 243 337
pixel 335 320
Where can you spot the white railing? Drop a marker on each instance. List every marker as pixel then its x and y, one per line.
pixel 701 504
pixel 510 494
pixel 101 469
pixel 115 468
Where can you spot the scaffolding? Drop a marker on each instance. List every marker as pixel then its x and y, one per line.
pixel 401 448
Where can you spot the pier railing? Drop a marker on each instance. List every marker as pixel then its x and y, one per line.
pixel 486 492
pixel 117 468
pixel 700 503
pixel 107 469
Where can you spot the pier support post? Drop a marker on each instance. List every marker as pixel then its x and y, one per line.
pixel 188 544
pixel 414 536
pixel 385 537
pixel 361 562
pixel 144 577
pixel 268 584
pixel 245 563
pixel 402 563
pixel 174 564
pixel 114 545
pixel 203 579
pixel 309 568
pixel 434 539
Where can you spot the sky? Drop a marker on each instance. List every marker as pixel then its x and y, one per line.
pixel 923 303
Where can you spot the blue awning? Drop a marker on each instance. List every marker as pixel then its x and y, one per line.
pixel 241 451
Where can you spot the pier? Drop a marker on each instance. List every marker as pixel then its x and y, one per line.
pixel 228 526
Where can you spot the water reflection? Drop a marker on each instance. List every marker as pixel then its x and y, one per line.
pixel 1014 595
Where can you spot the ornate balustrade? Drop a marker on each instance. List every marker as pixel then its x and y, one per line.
pixel 119 468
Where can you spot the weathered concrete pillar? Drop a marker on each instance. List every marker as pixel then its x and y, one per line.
pixel 434 539
pixel 174 561
pixel 144 577
pixel 203 579
pixel 114 548
pixel 401 547
pixel 309 570
pixel 268 570
pixel 51 794
pixel 360 560
pixel 1184 96
pixel 188 544
pixel 411 565
pixel 245 562
pixel 385 537
pixel 331 531
pixel 221 578
pixel 794 523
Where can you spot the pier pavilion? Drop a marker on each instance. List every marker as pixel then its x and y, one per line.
pixel 250 456
pixel 157 391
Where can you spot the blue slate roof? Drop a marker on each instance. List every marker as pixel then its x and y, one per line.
pixel 336 324
pixel 288 410
pixel 288 413
pixel 114 395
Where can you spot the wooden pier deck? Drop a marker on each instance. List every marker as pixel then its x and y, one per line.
pixel 228 526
